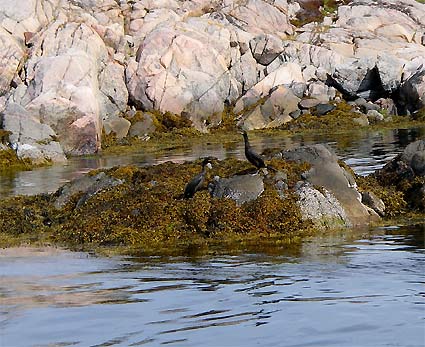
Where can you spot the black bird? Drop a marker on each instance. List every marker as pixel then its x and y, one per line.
pixel 195 184
pixel 253 157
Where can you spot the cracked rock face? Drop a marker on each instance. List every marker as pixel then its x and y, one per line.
pixel 73 65
pixel 183 68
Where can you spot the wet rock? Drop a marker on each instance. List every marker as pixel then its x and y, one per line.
pixel 321 207
pixel 322 109
pixel 406 172
pixel 414 156
pixel 241 188
pixel 371 200
pixel 295 114
pixel 405 166
pixel 327 173
pixel 418 163
pixel 87 186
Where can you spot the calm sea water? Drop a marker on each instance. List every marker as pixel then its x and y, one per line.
pixel 340 290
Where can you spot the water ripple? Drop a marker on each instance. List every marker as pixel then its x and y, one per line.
pixel 339 290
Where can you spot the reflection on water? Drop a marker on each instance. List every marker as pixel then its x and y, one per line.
pixel 364 152
pixel 340 291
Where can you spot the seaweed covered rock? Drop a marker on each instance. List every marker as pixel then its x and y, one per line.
pixel 143 208
pixel 85 187
pixel 406 173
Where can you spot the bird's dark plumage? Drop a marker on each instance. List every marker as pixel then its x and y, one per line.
pixel 254 158
pixel 196 182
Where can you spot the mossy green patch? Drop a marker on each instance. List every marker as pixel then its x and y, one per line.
pixel 342 119
pixel 10 162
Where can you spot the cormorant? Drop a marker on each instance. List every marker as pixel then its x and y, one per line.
pixel 253 157
pixel 193 186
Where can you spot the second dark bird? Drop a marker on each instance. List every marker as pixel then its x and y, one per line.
pixel 253 157
pixel 196 182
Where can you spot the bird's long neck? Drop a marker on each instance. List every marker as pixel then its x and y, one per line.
pixel 245 137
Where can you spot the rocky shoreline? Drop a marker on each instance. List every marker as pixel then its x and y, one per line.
pixel 75 72
pixel 143 210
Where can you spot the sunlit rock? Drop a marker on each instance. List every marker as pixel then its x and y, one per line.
pixel 327 173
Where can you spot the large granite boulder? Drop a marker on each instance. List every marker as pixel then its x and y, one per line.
pixel 70 84
pixel 321 207
pixel 29 137
pixel 10 59
pixel 275 111
pixel 325 172
pixel 182 68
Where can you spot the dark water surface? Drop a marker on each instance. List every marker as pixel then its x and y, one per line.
pixel 358 290
pixel 365 152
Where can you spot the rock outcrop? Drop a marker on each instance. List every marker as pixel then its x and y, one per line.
pixel 76 67
pixel 406 173
pixel 306 191
pixel 340 199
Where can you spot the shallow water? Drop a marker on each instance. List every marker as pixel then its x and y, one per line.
pixel 365 152
pixel 340 290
